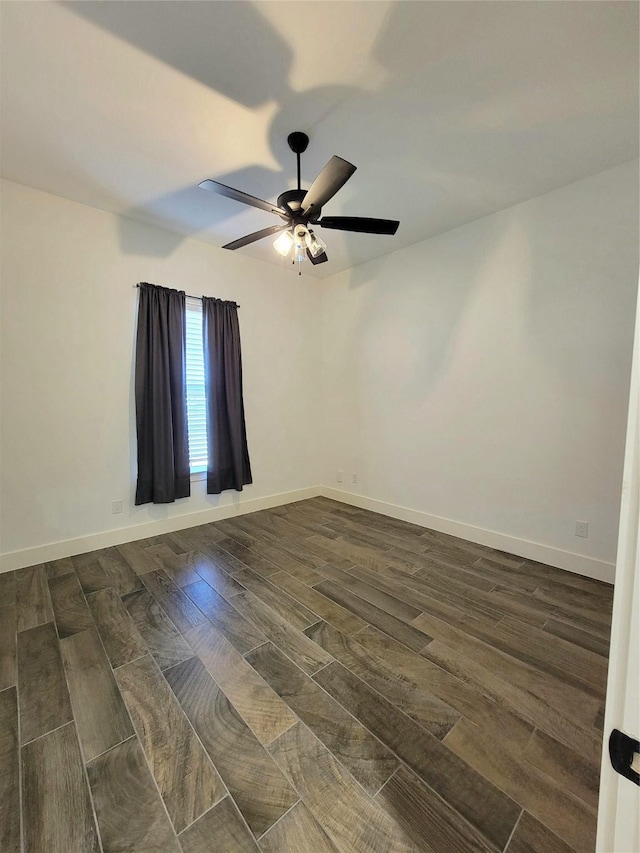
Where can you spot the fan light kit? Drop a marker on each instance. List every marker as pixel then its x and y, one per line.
pixel 302 208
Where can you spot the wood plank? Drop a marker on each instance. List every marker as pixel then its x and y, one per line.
pixel 100 714
pixel 107 567
pixel 260 707
pixel 7 588
pixel 33 605
pixel 577 636
pixel 206 568
pixel 532 837
pixel 9 772
pixel 8 648
pixel 231 529
pixel 302 651
pixel 549 574
pixel 465 551
pixel 182 568
pixel 598 723
pixel 57 813
pixel 225 561
pixel 69 605
pixel 359 534
pixel 42 689
pixel 296 614
pixel 327 609
pixel 466 575
pixel 222 826
pixel 386 540
pixel 296 831
pixel 368 761
pixel 535 709
pixel 164 558
pixel 135 555
pixel 251 560
pixel 202 535
pixel 561 812
pixel 306 524
pixel 420 674
pixel 283 559
pixel 565 698
pixel 408 692
pixel 481 604
pixel 491 812
pixel 564 765
pixel 285 537
pixel 426 818
pixel 429 599
pixel 591 602
pixel 275 527
pixel 241 633
pixel 349 817
pixel 259 789
pixel 525 607
pixel 59 568
pixel 359 555
pixel 173 541
pixel 186 778
pixel 315 547
pixel 390 604
pixel 410 635
pixel 159 633
pixel 446 589
pixel 558 657
pixel 118 633
pixel 128 807
pixel 180 609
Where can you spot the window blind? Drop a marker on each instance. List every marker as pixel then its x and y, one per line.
pixel 196 411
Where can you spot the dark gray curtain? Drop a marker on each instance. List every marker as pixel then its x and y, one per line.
pixel 228 466
pixel 161 397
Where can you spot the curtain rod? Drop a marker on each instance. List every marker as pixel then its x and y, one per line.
pixel 189 296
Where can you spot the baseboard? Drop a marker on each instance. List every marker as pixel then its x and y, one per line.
pixel 82 544
pixel 567 560
pixel 571 562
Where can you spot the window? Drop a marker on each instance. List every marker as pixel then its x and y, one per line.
pixel 196 411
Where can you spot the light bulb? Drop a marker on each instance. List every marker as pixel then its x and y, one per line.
pixel 283 243
pixel 315 245
pixel 301 235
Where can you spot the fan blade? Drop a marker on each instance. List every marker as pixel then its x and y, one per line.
pixel 245 198
pixel 360 223
pixel 334 176
pixel 257 235
pixel 321 259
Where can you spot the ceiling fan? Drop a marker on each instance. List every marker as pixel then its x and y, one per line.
pixel 300 209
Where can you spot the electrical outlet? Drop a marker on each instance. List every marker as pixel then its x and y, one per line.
pixel 354 478
pixel 116 507
pixel 340 476
pixel 582 529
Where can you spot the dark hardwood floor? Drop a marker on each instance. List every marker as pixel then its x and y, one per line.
pixel 304 679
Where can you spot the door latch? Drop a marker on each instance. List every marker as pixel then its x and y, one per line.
pixel 624 753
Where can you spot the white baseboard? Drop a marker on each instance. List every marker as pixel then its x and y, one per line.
pixel 571 562
pixel 82 544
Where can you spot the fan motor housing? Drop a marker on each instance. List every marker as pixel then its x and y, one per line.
pixel 292 199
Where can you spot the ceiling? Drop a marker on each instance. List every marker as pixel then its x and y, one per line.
pixel 450 110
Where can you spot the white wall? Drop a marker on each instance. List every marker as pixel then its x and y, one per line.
pixel 477 382
pixel 68 329
pixel 480 379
